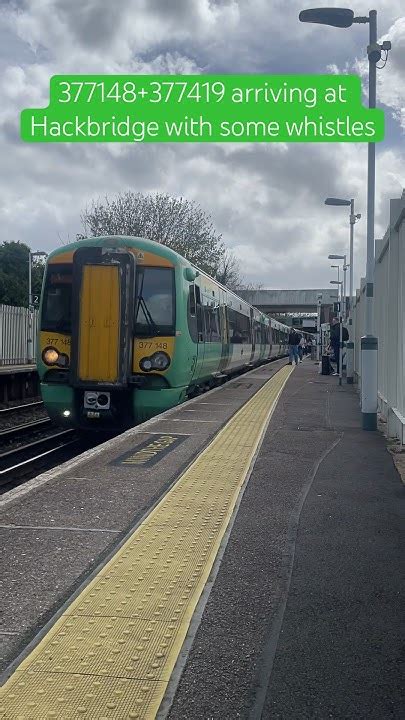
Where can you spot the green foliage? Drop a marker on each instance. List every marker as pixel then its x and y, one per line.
pixel 14 274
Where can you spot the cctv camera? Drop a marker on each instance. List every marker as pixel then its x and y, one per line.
pixel 374 52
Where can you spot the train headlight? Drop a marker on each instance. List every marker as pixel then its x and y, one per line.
pixel 146 364
pixel 50 356
pixel 160 361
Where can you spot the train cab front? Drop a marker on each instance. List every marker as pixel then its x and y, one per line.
pixel 107 339
pixel 86 338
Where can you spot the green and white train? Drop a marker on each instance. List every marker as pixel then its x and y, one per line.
pixel 129 328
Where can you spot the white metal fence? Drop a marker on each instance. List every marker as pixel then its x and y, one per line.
pixel 388 321
pixel 14 333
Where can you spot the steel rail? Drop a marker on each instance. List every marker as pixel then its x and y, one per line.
pixel 5 411
pixel 24 428
pixel 14 455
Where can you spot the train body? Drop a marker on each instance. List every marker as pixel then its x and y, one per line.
pixel 129 328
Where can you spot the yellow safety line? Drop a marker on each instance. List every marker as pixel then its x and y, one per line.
pixel 112 653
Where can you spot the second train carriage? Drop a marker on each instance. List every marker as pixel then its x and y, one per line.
pixel 129 328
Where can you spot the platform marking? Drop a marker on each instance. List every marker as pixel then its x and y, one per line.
pixel 222 404
pixel 197 410
pixel 192 420
pixel 151 451
pixel 55 527
pixel 9 632
pixel 165 432
pixel 112 653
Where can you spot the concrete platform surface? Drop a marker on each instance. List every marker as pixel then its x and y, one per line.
pixel 303 616
pixel 306 616
pixel 57 528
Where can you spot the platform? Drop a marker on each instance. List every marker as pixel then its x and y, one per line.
pixel 285 589
pixel 16 369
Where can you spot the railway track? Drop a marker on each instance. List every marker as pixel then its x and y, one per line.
pixel 24 428
pixel 19 462
pixel 15 408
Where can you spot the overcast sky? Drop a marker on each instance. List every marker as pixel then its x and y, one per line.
pixel 266 200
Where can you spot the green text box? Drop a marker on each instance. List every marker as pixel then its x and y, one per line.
pixel 203 108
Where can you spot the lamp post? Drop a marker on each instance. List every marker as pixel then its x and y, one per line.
pixel 339 284
pixel 338 270
pixel 30 342
pixel 318 327
pixel 343 313
pixel 350 344
pixel 344 268
pixel 344 18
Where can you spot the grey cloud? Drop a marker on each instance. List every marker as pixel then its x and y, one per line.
pixel 266 200
pixel 93 22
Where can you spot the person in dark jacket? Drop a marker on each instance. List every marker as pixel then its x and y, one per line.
pixel 293 343
pixel 335 342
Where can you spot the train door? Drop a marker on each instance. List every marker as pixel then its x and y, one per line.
pixel 223 320
pixel 198 312
pixel 271 341
pixel 102 316
pixel 253 335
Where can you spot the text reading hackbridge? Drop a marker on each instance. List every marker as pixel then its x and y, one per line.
pixel 210 108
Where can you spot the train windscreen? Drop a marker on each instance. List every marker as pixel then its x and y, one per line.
pixel 154 306
pixel 57 300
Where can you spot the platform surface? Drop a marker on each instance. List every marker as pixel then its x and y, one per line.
pixel 304 617
pixel 14 369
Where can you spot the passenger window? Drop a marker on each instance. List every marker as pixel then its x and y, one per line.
pixel 239 327
pixel 192 302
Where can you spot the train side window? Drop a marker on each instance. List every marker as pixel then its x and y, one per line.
pixel 212 325
pixel 192 301
pixel 239 327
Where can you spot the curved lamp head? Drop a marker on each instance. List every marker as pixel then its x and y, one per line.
pixel 337 17
pixel 337 201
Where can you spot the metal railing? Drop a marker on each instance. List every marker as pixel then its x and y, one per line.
pixel 14 333
pixel 388 321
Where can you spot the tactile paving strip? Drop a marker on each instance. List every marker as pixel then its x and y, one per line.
pixel 112 653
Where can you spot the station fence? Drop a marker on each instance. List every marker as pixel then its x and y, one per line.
pixel 14 333
pixel 388 321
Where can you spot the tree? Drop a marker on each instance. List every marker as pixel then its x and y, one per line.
pixel 175 222
pixel 228 272
pixel 14 274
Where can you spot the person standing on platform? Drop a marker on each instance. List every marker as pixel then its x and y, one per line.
pixel 301 348
pixel 293 344
pixel 335 342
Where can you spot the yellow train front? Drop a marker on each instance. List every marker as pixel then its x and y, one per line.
pixel 129 328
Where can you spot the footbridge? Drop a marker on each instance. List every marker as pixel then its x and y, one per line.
pixel 299 307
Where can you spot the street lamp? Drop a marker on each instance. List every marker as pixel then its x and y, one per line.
pixel 350 344
pixel 341 257
pixel 342 313
pixel 338 270
pixel 344 18
pixel 339 283
pixel 30 343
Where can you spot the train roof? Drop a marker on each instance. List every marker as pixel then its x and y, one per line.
pixel 123 240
